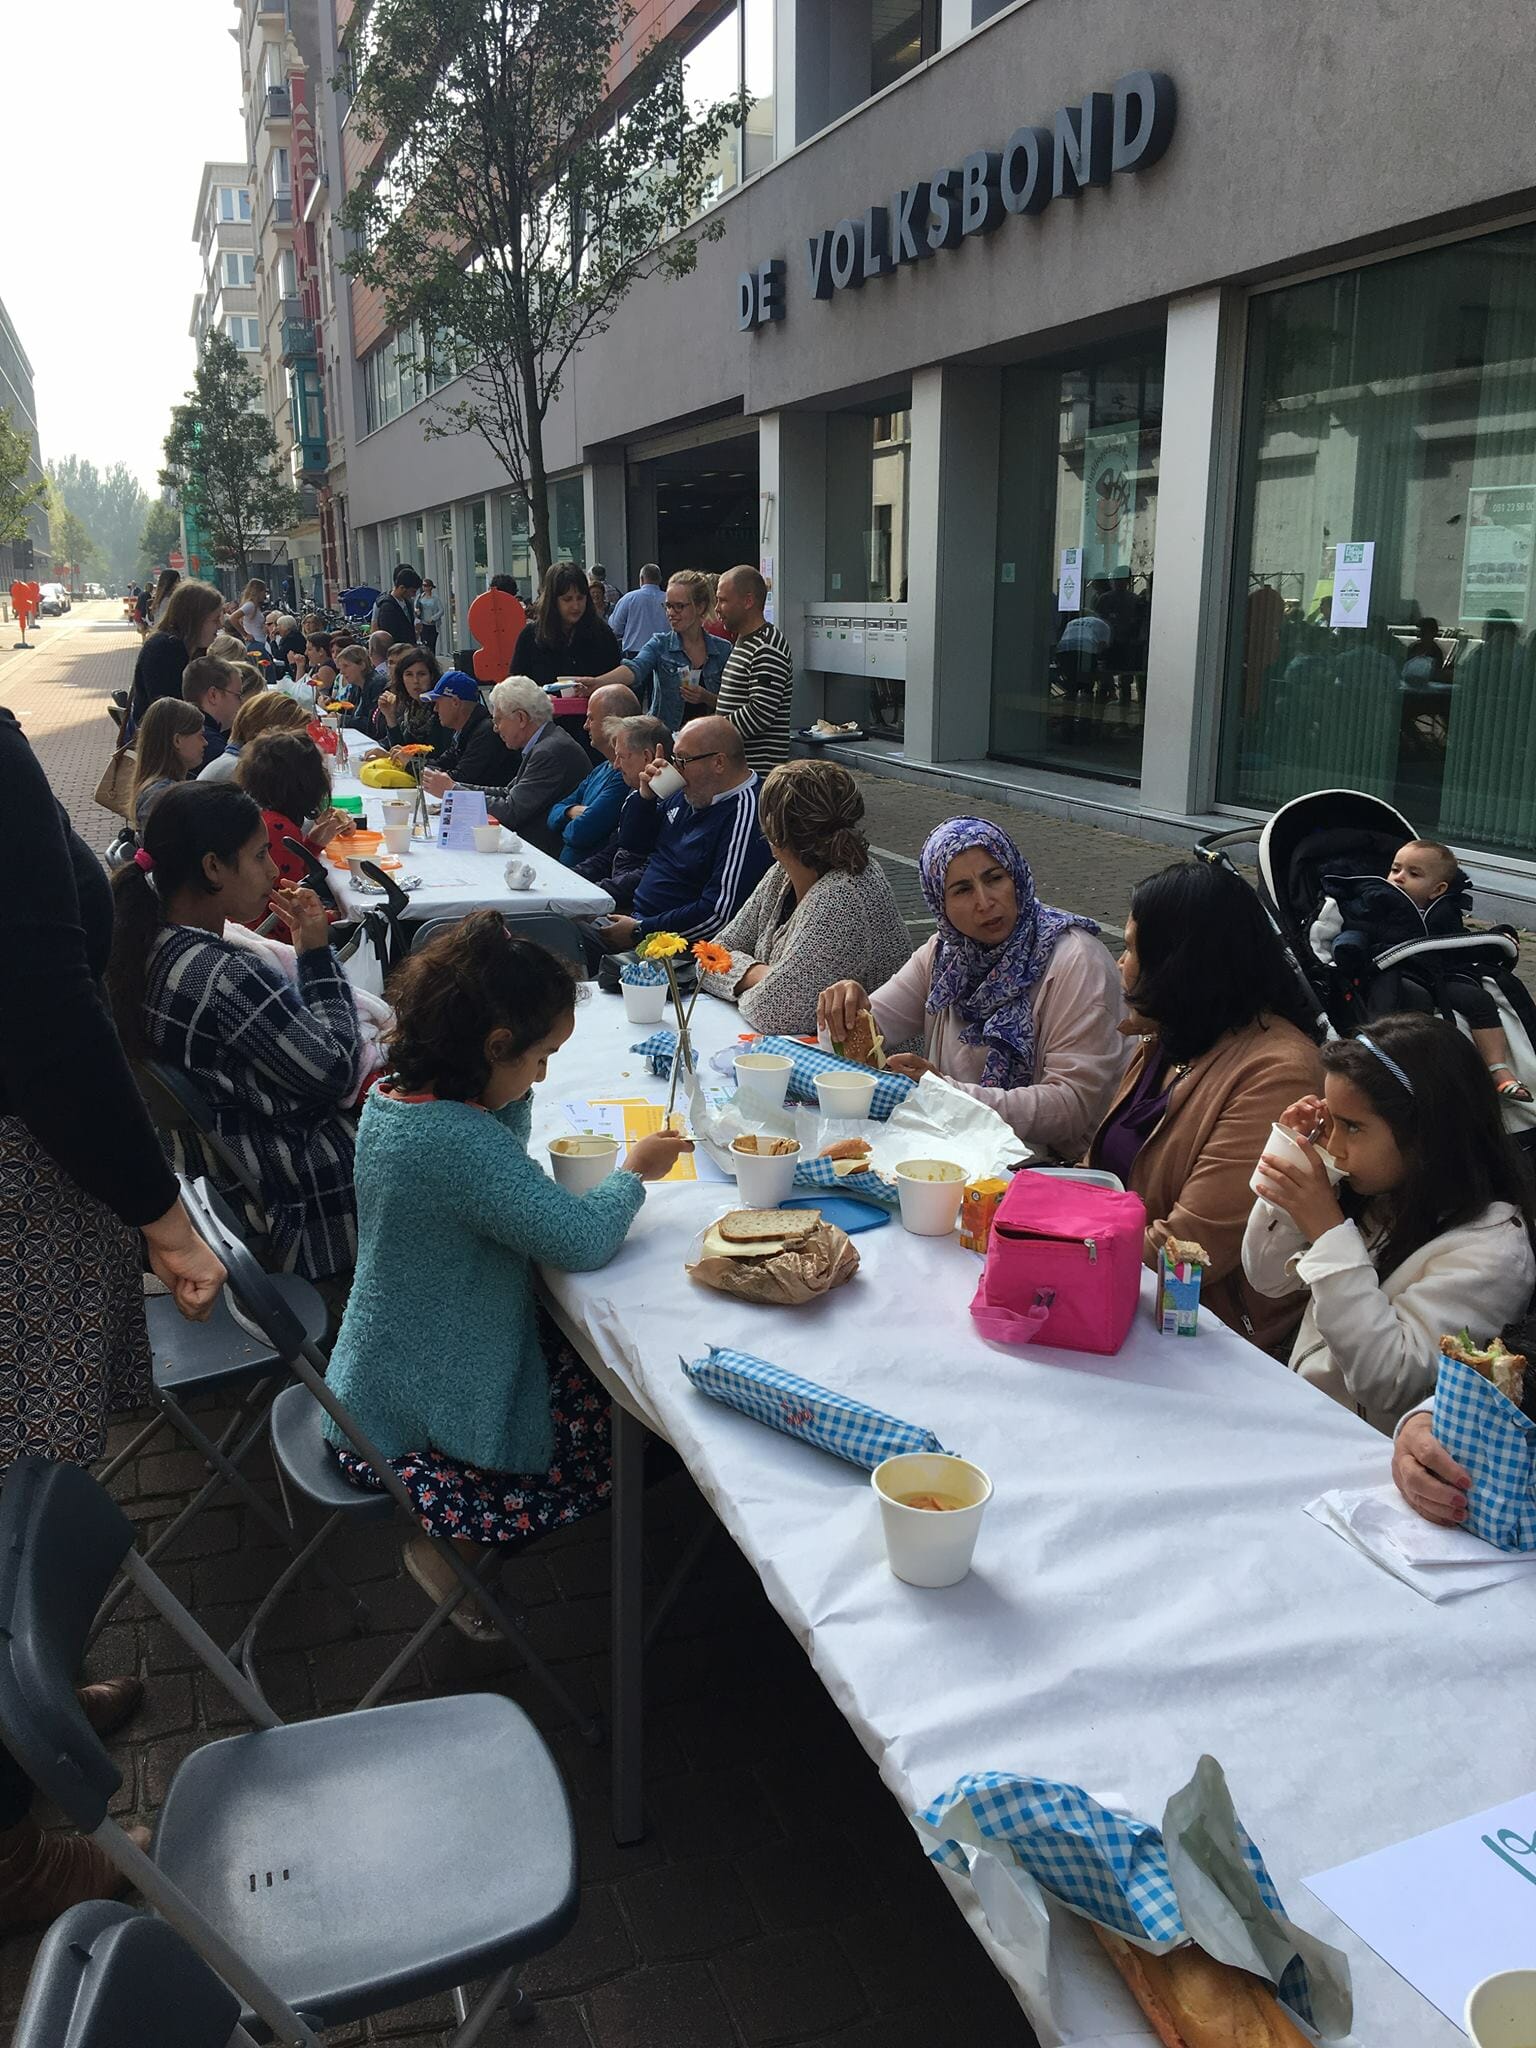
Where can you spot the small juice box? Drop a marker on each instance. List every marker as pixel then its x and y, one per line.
pixel 978 1205
pixel 1178 1296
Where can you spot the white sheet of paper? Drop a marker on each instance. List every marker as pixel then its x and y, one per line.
pixel 1069 581
pixel 1353 564
pixel 604 1117
pixel 463 810
pixel 1448 1908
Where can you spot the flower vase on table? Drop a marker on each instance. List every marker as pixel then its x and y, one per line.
pixel 663 949
pixel 415 758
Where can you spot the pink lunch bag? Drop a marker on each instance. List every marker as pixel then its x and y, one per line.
pixel 1063 1265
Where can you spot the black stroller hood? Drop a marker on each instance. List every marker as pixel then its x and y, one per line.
pixel 1309 833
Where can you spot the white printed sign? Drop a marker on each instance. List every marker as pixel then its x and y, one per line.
pixel 1353 561
pixel 1069 584
pixel 463 810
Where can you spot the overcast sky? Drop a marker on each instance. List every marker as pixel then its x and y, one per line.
pixel 110 113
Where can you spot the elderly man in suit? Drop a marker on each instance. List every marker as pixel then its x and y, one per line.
pixel 552 763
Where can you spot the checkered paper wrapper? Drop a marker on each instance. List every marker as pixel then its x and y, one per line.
pixel 658 1052
pixel 813 1176
pixel 1025 1842
pixel 796 1407
pixel 643 973
pixel 809 1060
pixel 1484 1431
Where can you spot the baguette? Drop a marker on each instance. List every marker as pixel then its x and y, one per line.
pixel 1193 2001
pixel 848 1155
pixel 1497 1362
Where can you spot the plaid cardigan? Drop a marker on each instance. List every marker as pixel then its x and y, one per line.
pixel 276 1060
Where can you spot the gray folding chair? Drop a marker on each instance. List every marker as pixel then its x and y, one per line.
pixel 305 1465
pixel 108 1977
pixel 326 1870
pixel 178 1107
pixel 561 935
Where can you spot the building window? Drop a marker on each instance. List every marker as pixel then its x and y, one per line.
pixel 278 172
pixel 511 513
pixel 239 268
pixel 735 53
pixel 234 203
pixel 1383 616
pixel 244 330
pixel 901 35
pixel 1076 538
pixel 568 520
pixel 287 274
pixel 869 453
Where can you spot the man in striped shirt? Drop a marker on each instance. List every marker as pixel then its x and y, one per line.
pixel 759 673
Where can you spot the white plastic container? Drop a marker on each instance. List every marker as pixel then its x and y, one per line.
pixel 930 1191
pixel 1283 1144
pixel 645 1002
pixel 487 838
pixel 579 1163
pixel 764 1183
pixel 845 1094
pixel 1501 2011
pixel 762 1079
pixel 928 1546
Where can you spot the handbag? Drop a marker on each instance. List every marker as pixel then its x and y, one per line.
pixel 1063 1265
pixel 114 792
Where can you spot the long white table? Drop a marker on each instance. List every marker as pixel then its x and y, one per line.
pixel 454 882
pixel 1146 1586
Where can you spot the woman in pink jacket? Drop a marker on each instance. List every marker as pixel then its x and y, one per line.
pixel 1014 1002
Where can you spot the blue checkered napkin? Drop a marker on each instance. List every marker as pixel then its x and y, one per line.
pixel 642 973
pixel 796 1407
pixel 891 1090
pixel 1484 1431
pixel 814 1174
pixel 657 1052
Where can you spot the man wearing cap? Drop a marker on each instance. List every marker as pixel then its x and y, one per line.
pixel 476 753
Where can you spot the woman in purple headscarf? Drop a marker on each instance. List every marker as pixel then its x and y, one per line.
pixel 1016 1003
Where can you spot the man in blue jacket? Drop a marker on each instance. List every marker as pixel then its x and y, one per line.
pixel 588 817
pixel 708 852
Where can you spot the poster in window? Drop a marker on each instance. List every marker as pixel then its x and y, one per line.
pixel 1496 561
pixel 1354 564
pixel 1110 457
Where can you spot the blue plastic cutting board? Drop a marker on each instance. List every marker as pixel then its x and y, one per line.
pixel 848 1212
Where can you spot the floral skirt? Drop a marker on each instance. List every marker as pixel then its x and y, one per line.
pixel 515 1508
pixel 73 1343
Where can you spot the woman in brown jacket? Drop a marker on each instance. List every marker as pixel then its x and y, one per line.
pixel 1226 1044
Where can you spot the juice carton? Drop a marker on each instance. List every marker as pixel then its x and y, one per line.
pixel 1178 1296
pixel 978 1205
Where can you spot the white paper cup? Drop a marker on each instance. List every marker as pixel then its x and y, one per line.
pixel 1282 1144
pixel 930 1191
pixel 397 838
pixel 396 814
pixel 762 1079
pixel 666 782
pixel 1501 2011
pixel 580 1163
pixel 487 838
pixel 845 1094
pixel 764 1182
pixel 644 1001
pixel 355 867
pixel 927 1546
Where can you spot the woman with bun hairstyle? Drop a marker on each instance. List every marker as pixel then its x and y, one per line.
pixel 1429 1231
pixel 823 911
pixel 461 1379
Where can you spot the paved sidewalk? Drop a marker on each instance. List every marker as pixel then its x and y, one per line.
pixel 60 692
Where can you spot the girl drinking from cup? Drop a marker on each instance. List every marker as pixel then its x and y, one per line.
pixel 1429 1230
pixel 456 1372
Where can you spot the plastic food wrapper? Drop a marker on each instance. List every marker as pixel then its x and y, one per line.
pixel 1030 1843
pixel 1496 1442
pixel 833 1422
pixel 1176 1311
pixel 822 1260
pixel 1439 1563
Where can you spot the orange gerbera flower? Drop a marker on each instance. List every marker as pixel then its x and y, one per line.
pixel 712 959
pixel 416 747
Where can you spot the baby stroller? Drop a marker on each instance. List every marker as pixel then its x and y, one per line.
pixel 1345 827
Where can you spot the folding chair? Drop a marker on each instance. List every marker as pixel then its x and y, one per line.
pixel 304 1463
pixel 561 935
pixel 326 1870
pixel 108 1977
pixel 177 1105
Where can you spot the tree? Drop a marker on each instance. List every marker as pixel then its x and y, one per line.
pixel 18 498
pixel 161 535
pixel 111 506
pixel 74 552
pixel 221 453
pixel 514 211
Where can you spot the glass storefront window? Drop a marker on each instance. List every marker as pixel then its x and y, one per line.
pixel 568 520
pixel 516 554
pixel 869 460
pixel 482 561
pixel 1394 406
pixel 1076 539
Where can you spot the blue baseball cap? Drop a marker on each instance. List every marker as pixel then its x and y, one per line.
pixel 455 684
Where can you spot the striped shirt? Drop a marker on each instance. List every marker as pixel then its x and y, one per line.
pixel 755 687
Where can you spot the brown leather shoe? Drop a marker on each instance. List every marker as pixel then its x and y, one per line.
pixel 42 1875
pixel 110 1702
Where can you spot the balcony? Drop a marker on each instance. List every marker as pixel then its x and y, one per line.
pixel 309 464
pixel 278 106
pixel 309 504
pixel 280 209
pixel 297 333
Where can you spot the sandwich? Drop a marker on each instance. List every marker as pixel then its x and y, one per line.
pixel 1497 1362
pixel 759 1233
pixel 848 1155
pixel 1185 1251
pixel 863 1045
pixel 1193 2001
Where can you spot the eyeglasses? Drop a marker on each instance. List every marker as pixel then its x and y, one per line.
pixel 676 604
pixel 687 760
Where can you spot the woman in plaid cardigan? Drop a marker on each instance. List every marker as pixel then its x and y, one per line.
pixel 275 1057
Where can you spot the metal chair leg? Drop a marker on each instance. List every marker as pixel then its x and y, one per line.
pixel 628 1622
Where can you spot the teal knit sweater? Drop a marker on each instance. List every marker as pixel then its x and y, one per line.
pixel 439 1348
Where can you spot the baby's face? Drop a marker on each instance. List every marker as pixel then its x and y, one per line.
pixel 1417 874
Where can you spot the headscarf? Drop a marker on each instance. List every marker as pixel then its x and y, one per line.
pixel 991 988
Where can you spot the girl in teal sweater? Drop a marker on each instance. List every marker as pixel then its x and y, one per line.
pixel 451 1366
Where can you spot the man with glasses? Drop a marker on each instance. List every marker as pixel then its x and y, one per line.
pixel 707 851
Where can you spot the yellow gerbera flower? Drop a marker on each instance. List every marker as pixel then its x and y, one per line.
pixel 712 959
pixel 661 946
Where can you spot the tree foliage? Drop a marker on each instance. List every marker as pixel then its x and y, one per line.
pixel 221 456
pixel 110 504
pixel 75 555
pixel 18 498
pixel 161 535
pixel 514 211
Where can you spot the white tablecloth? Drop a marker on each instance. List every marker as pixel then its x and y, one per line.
pixel 1146 1587
pixel 455 882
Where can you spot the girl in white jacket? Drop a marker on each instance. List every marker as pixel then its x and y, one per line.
pixel 1430 1229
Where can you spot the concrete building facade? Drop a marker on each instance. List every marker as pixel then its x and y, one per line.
pixel 30 558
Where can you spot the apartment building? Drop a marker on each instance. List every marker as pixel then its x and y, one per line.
pixel 225 234
pixel 30 558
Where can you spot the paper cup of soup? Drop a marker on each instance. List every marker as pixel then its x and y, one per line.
pixel 666 782
pixel 930 1510
pixel 762 1079
pixel 581 1162
pixel 487 838
pixel 764 1179
pixel 1501 2011
pixel 930 1191
pixel 1283 1144
pixel 645 1002
pixel 845 1094
pixel 397 838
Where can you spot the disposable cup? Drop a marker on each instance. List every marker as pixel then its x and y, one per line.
pixel 666 782
pixel 397 838
pixel 355 866
pixel 645 1002
pixel 1501 2011
pixel 762 1079
pixel 930 1191
pixel 929 1546
pixel 487 838
pixel 395 814
pixel 764 1182
pixel 1282 1144
pixel 845 1094
pixel 580 1163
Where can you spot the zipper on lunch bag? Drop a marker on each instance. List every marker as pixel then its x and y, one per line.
pixel 1089 1244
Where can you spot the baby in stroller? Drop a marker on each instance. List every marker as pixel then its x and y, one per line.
pixel 1424 895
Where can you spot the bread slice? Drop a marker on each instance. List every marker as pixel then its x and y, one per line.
pixel 1195 2002
pixel 760 1226
pixel 717 1247
pixel 863 1043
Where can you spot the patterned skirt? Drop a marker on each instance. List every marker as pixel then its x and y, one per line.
pixel 515 1508
pixel 73 1344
